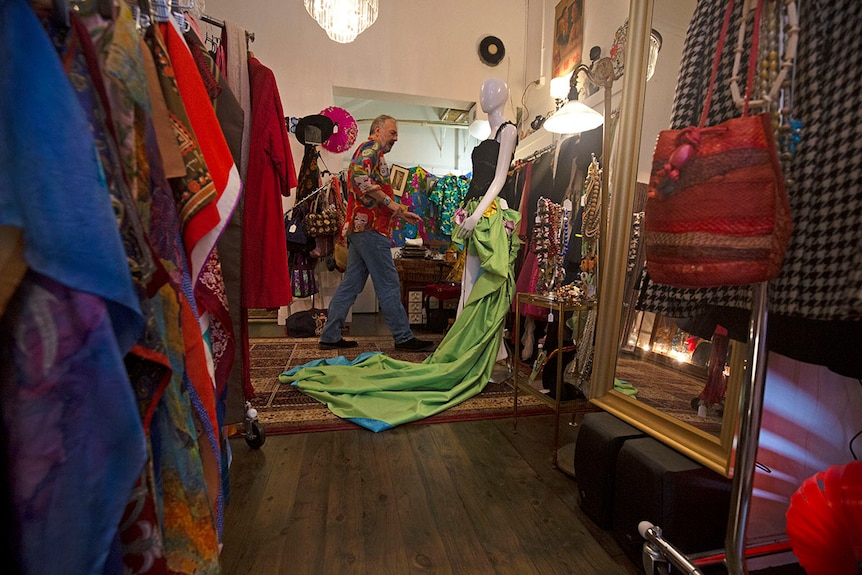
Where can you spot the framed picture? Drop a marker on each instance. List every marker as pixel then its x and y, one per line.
pixel 568 36
pixel 398 177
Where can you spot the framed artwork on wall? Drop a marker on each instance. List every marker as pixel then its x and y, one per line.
pixel 568 36
pixel 398 177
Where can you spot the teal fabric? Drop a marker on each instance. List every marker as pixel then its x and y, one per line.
pixel 379 392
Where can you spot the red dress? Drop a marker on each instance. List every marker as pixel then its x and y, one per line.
pixel 271 175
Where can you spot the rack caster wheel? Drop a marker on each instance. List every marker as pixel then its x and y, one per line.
pixel 255 436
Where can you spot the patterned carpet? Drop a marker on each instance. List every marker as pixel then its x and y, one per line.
pixel 668 390
pixel 282 409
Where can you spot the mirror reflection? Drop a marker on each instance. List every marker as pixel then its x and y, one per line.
pixel 670 364
pixel 675 364
pixel 672 377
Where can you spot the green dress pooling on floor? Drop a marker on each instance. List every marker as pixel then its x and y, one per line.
pixel 379 392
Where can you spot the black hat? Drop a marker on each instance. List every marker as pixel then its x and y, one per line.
pixel 314 129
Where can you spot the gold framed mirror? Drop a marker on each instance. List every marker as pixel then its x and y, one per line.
pixel 713 446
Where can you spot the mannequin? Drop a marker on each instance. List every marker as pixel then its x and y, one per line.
pixel 493 97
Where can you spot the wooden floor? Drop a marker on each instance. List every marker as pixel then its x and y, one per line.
pixel 461 498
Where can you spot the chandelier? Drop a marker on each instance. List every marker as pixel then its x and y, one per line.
pixel 343 20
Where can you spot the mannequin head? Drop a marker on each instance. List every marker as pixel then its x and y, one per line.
pixel 493 95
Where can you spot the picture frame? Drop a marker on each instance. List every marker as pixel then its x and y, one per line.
pixel 568 36
pixel 398 177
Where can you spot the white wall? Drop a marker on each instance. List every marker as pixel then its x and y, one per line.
pixel 420 49
pixel 810 416
pixel 415 48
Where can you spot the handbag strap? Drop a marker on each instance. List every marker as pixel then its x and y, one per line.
pixel 752 59
pixel 315 207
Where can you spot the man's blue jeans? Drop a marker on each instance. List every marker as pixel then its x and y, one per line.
pixel 369 253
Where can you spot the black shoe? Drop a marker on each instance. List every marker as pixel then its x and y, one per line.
pixel 414 345
pixel 340 344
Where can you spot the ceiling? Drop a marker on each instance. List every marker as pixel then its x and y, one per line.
pixel 365 105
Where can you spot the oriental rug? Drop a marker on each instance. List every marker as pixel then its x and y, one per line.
pixel 282 409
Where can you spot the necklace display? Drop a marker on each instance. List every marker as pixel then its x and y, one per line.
pixel 547 238
pixel 591 220
pixel 776 24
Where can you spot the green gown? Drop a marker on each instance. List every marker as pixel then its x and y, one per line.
pixel 379 392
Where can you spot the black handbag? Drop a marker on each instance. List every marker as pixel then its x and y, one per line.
pixel 307 323
pixel 294 231
pixel 302 280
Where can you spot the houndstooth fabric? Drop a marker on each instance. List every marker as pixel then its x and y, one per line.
pixel 822 274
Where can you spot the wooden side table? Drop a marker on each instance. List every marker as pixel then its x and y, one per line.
pixel 414 275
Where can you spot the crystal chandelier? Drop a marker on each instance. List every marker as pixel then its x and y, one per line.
pixel 343 20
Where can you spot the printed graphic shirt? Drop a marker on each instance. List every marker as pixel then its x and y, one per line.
pixel 367 169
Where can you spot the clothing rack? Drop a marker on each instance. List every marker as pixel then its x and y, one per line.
pixel 146 12
pixel 537 153
pixel 249 36
pixel 315 192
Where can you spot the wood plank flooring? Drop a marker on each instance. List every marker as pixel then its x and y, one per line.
pixel 461 498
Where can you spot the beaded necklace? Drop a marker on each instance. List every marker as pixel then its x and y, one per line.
pixel 547 238
pixel 772 82
pixel 591 217
pixel 772 76
pixel 541 237
pixel 592 200
pixel 566 216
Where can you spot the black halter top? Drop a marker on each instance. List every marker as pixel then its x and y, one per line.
pixel 485 165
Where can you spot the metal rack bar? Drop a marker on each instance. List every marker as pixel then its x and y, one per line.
pixel 249 36
pixel 315 192
pixel 751 410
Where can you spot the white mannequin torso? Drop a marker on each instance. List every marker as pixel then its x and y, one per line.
pixel 493 98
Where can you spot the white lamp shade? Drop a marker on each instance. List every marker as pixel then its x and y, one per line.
pixel 654 48
pixel 560 87
pixel 573 118
pixel 343 20
pixel 480 129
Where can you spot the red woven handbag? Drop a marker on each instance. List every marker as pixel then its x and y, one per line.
pixel 717 212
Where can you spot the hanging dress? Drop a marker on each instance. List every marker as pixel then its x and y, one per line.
pixel 74 316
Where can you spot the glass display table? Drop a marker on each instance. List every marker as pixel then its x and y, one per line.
pixel 557 310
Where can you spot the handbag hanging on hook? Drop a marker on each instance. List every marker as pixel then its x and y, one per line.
pixel 717 212
pixel 322 220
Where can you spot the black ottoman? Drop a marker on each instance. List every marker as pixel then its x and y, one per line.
pixel 600 437
pixel 658 484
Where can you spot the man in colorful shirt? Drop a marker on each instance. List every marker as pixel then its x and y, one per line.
pixel 371 214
